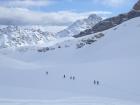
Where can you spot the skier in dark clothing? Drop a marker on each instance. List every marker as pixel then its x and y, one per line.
pixel 47 72
pixel 73 77
pixel 94 82
pixel 97 82
pixel 64 76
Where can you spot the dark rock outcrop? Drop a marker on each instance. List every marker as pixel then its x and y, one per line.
pixel 111 22
pixel 137 6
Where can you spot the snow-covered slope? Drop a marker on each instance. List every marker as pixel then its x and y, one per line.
pixel 17 36
pixel 79 25
pixel 113 60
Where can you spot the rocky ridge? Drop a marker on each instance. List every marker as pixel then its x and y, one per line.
pixel 112 22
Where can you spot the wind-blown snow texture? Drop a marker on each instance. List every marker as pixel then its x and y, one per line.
pixel 113 60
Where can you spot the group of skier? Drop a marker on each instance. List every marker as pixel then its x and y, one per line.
pixel 64 76
pixel 71 77
pixel 95 82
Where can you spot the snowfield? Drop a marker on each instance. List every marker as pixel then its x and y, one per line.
pixel 69 101
pixel 37 78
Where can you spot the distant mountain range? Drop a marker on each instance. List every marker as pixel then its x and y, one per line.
pixel 21 36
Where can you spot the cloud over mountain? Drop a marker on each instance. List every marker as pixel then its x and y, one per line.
pixel 24 16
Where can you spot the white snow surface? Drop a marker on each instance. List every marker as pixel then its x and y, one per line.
pixel 113 60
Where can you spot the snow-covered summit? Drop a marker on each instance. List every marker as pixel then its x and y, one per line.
pixel 17 36
pixel 80 25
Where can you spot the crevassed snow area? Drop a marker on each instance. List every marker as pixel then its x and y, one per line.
pixel 33 78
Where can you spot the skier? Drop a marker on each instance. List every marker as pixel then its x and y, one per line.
pixel 97 82
pixel 70 77
pixel 94 82
pixel 47 72
pixel 73 77
pixel 64 76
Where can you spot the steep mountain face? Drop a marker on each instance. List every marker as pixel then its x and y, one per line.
pixel 137 6
pixel 80 25
pixel 17 36
pixel 112 22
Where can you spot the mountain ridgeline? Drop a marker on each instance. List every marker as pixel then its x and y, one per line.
pixel 137 6
pixel 112 22
pixel 24 36
pixel 80 25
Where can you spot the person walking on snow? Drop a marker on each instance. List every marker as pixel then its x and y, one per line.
pixel 94 82
pixel 47 72
pixel 64 76
pixel 73 77
pixel 97 82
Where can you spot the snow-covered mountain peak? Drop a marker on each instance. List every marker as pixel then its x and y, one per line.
pixel 94 17
pixel 80 25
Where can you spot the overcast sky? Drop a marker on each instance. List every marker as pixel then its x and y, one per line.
pixel 58 12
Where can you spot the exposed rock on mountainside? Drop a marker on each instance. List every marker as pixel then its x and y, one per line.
pixel 111 22
pixel 78 43
pixel 137 6
pixel 80 25
pixel 17 36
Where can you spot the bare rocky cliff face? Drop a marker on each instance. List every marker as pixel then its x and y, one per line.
pixel 112 22
pixel 137 6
